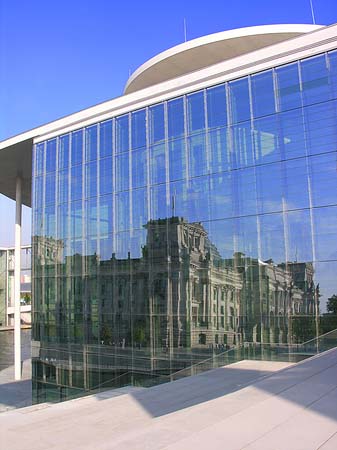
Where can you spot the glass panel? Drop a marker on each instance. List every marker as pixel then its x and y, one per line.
pixel 239 100
pixel 157 124
pixel 243 192
pixel 122 134
pixel 325 276
pixel 323 170
pixel 315 80
pixel 39 158
pixel 195 112
pixel 91 217
pixel 198 199
pixel 197 155
pixel 63 151
pixel 139 208
pixel 221 236
pixel 269 188
pixel 325 233
pixel 122 250
pixel 299 236
pixel 63 221
pixel 138 128
pixel 76 216
pixel 266 139
pixel 76 147
pixel 122 172
pixel 242 145
pixel 322 127
pixel 105 176
pixel 263 94
pixel 63 190
pixel 216 106
pixel 219 148
pixel 296 190
pixel 122 211
pixel 91 143
pixel 37 223
pixel 292 134
pixel 105 139
pixel 177 159
pixel 91 179
pixel 221 196
pixel 333 73
pixel 246 238
pixel 38 193
pixel 105 215
pixel 137 250
pixel 288 87
pixel 50 221
pixel 178 200
pixel 76 183
pixel 51 155
pixel 190 201
pixel 139 168
pixel 157 164
pixel 159 207
pixel 105 249
pixel 272 238
pixel 50 188
pixel 175 119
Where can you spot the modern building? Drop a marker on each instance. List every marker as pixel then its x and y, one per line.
pixel 7 265
pixel 194 213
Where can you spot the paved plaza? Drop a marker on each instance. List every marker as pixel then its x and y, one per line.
pixel 15 394
pixel 249 405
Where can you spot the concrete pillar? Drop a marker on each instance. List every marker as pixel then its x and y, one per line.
pixel 17 284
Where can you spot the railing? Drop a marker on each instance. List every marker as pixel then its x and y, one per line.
pixel 125 379
pixel 149 377
pixel 222 359
pixel 262 351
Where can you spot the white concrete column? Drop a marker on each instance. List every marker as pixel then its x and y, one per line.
pixel 17 284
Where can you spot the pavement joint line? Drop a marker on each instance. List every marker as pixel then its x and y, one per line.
pixel 246 446
pixel 325 442
pixel 277 394
pixel 304 407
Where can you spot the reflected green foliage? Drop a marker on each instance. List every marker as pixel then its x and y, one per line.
pixel 303 329
pixel 331 305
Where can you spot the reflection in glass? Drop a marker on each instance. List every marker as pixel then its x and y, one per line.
pixel 76 147
pixel 195 112
pixel 105 140
pixel 175 119
pixel 239 100
pixel 200 225
pixel 91 143
pixel 288 87
pixel 122 134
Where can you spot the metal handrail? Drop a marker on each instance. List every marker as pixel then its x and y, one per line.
pixel 192 366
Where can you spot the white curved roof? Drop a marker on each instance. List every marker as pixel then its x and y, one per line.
pixel 208 50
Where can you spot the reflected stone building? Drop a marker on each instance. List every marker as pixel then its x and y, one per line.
pixel 194 214
pixel 7 262
pixel 138 319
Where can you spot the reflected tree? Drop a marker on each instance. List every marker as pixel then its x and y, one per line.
pixel 331 305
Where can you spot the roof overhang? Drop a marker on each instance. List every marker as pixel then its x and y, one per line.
pixel 211 49
pixel 16 160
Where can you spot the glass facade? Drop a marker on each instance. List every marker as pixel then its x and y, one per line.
pixel 171 233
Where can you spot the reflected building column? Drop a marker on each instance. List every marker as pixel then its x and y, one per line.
pixel 17 284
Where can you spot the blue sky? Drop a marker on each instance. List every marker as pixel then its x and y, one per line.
pixel 62 56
